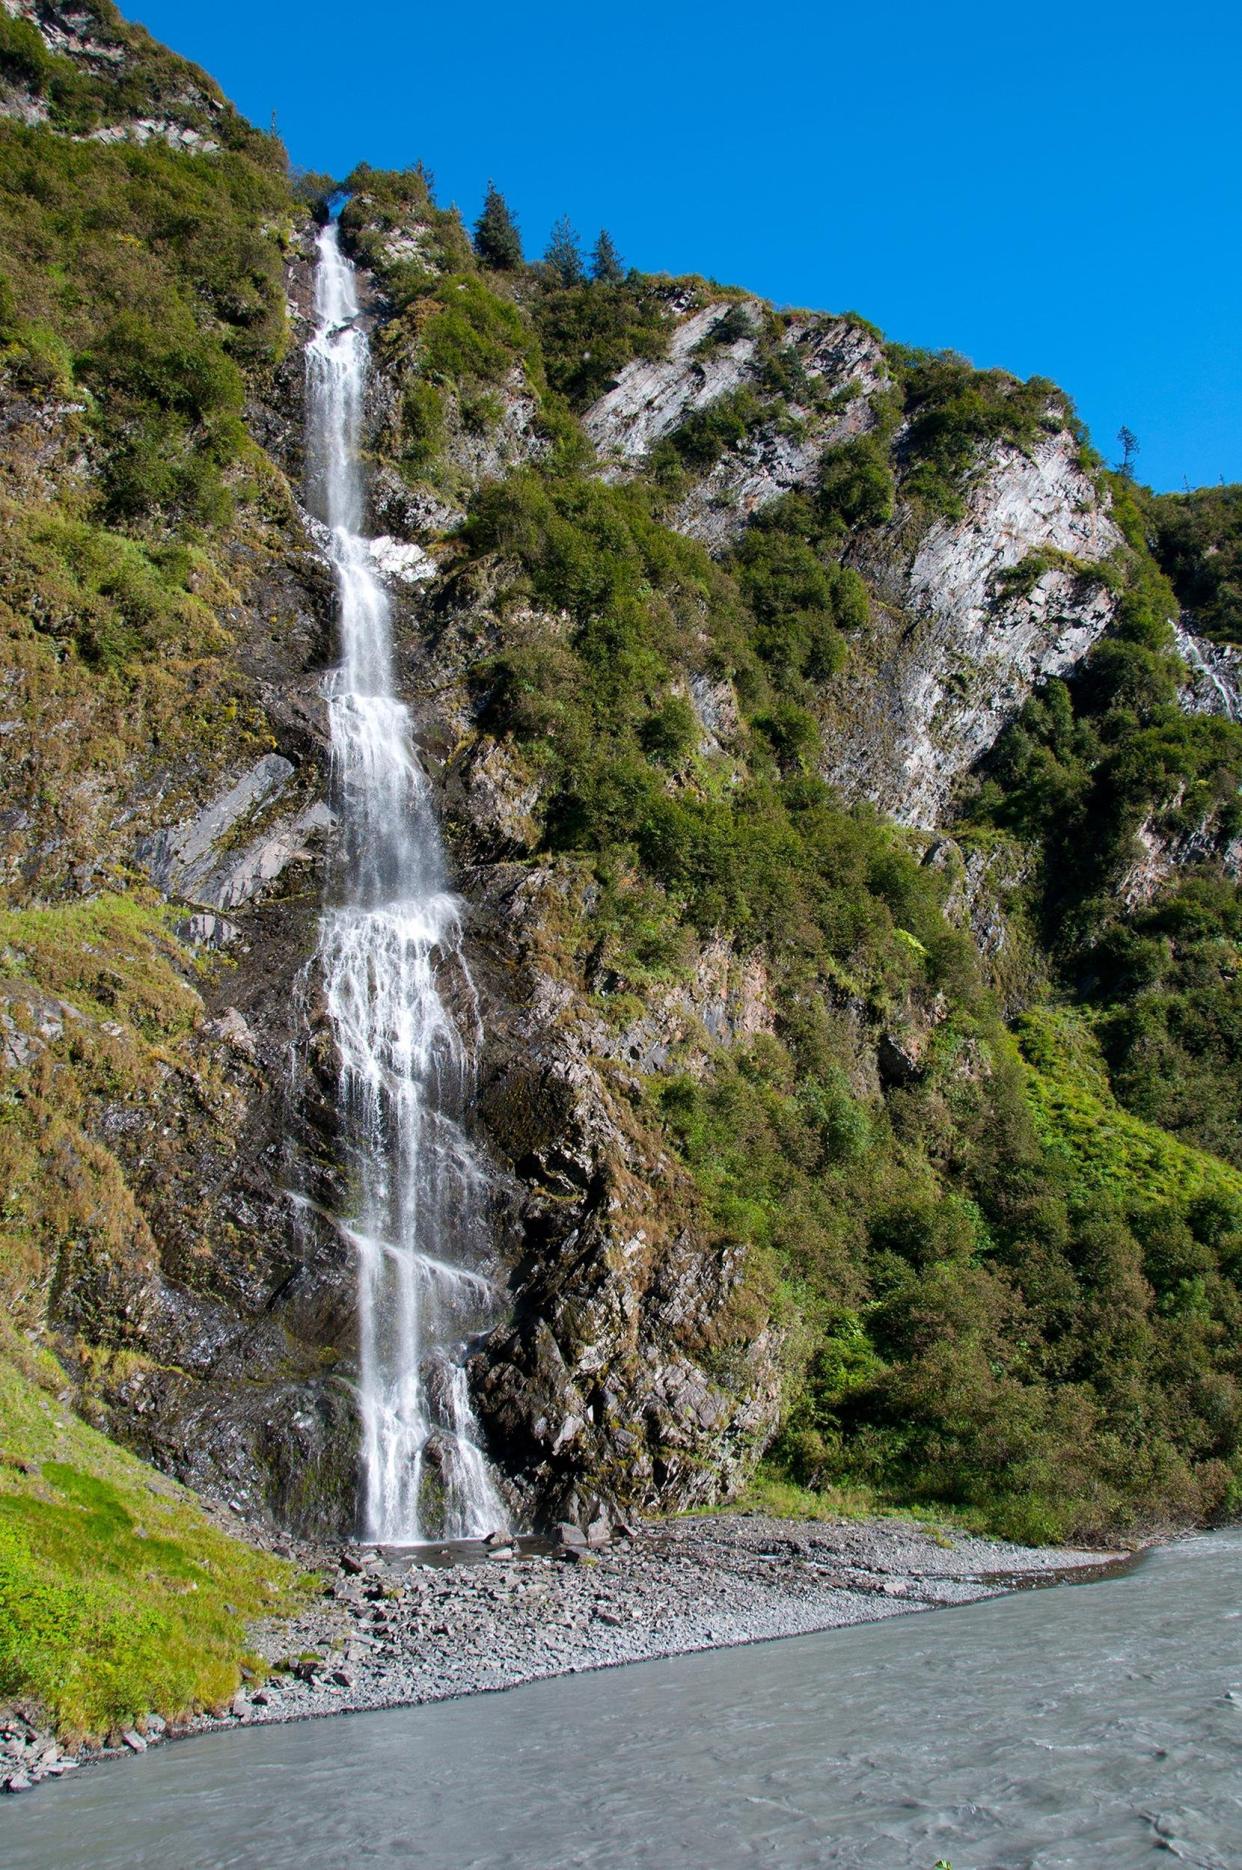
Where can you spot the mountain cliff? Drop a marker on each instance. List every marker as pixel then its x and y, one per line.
pixel 840 770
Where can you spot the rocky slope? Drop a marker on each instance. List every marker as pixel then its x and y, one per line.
pixel 643 612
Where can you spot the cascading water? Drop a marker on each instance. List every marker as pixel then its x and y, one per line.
pixel 392 967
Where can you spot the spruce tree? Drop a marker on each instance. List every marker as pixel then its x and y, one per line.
pixel 496 238
pixel 606 264
pixel 564 254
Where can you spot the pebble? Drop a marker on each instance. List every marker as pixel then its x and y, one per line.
pixel 503 1615
pixel 390 1630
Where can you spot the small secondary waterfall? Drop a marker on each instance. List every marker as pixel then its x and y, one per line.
pixel 393 971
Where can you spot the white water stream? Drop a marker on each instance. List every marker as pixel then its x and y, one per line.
pixel 394 973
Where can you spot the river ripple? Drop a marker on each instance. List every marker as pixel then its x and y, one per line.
pixel 1075 1728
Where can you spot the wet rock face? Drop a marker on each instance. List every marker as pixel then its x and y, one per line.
pixel 242 1316
pixel 203 860
pixel 1213 674
pixel 628 1371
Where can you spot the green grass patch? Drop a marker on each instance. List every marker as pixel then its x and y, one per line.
pixel 1106 1148
pixel 118 1597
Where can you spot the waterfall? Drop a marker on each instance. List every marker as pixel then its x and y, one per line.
pixel 1214 686
pixel 398 993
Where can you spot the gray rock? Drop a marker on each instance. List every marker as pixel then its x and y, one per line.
pixel 205 860
pixel 208 931
pixel 1214 674
pixel 953 654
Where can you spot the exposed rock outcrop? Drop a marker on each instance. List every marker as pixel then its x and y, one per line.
pixel 964 635
pixel 652 398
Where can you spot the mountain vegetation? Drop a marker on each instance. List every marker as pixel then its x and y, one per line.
pixel 977 1157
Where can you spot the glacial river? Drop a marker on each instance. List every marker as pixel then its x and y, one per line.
pixel 1073 1728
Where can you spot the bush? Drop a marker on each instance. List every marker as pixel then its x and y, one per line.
pixel 954 412
pixel 669 734
pixel 589 333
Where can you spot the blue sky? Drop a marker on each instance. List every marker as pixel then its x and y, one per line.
pixel 1054 189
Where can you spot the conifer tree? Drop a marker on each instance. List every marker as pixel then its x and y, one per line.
pixel 564 254
pixel 496 238
pixel 606 264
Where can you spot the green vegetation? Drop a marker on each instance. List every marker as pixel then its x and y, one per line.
pixel 95 1005
pixel 1105 1147
pixel 1197 539
pixel 956 411
pixel 563 257
pixel 496 238
pixel 143 79
pixel 1094 776
pixel 139 287
pixel 137 279
pixel 394 227
pixel 980 1264
pixel 589 332
pixel 606 266
pixel 118 1597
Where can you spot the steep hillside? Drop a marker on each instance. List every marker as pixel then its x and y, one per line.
pixel 849 842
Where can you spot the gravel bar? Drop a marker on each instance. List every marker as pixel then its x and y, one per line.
pixel 395 1626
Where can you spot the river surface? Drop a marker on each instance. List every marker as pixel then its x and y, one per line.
pixel 1075 1728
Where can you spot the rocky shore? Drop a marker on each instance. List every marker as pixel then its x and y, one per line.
pixel 395 1626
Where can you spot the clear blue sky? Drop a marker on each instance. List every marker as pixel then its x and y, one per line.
pixel 1053 188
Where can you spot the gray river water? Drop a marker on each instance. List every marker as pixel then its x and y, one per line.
pixel 1076 1728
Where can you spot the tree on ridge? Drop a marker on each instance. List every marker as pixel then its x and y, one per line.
pixel 496 238
pixel 606 264
pixel 564 254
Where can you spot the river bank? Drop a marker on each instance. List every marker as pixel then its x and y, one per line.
pixel 406 1630
pixel 405 1626
pixel 1094 1728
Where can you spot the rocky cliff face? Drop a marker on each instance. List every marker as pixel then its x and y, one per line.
pixel 974 610
pixel 183 1084
pixel 988 606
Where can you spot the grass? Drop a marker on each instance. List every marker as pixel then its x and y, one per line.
pixel 109 971
pixel 118 1597
pixel 770 1492
pixel 1107 1149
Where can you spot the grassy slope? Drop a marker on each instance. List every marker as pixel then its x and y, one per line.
pixel 141 290
pixel 117 1594
pixel 1105 1148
